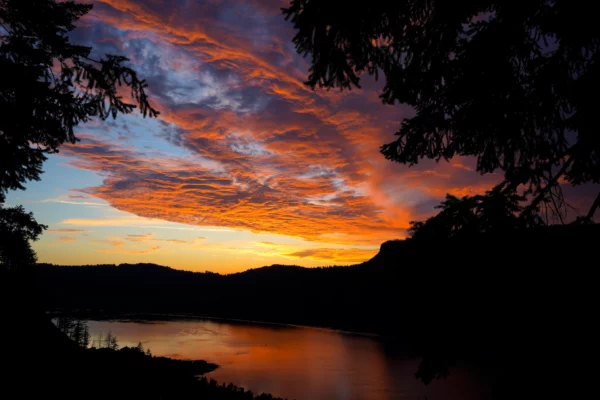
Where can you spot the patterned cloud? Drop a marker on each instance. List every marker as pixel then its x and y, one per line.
pixel 241 143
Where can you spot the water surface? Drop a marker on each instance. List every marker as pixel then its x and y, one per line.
pixel 293 362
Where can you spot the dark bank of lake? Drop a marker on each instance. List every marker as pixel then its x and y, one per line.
pixel 294 362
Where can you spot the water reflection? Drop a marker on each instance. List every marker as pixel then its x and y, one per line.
pixel 297 363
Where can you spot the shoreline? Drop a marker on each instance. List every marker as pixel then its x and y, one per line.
pixel 146 317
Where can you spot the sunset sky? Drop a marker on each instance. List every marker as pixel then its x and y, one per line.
pixel 245 166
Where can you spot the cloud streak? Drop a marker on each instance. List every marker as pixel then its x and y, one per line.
pixel 154 249
pixel 67 230
pixel 346 255
pixel 149 237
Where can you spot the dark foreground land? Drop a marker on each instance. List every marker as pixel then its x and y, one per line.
pixel 43 363
pixel 520 303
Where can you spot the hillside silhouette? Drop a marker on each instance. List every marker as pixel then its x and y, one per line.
pixel 444 300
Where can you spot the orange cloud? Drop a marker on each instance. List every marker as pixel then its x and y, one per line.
pixel 116 242
pixel 346 256
pixel 120 222
pixel 459 191
pixel 266 154
pixel 237 200
pixel 150 238
pixel 139 238
pixel 67 239
pixel 462 166
pixel 129 251
pixel 67 230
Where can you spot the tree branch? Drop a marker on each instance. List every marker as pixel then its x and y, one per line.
pixel 557 208
pixel 6 29
pixel 536 201
pixel 91 59
pixel 594 207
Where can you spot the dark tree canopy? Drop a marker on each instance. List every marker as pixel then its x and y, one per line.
pixel 514 84
pixel 494 212
pixel 17 229
pixel 49 85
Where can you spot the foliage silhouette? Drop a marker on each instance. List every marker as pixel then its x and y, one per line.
pixel 49 86
pixel 17 228
pixel 496 211
pixel 112 342
pixel 75 329
pixel 512 83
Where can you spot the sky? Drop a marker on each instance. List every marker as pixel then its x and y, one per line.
pixel 245 166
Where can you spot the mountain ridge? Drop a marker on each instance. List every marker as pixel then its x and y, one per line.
pixel 131 266
pixel 462 298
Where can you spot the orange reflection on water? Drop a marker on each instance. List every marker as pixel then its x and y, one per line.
pixel 292 362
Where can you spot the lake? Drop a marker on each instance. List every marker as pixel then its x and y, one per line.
pixel 294 362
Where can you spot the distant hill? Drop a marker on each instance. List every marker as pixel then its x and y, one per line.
pixel 485 295
pixel 402 274
pixel 277 293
